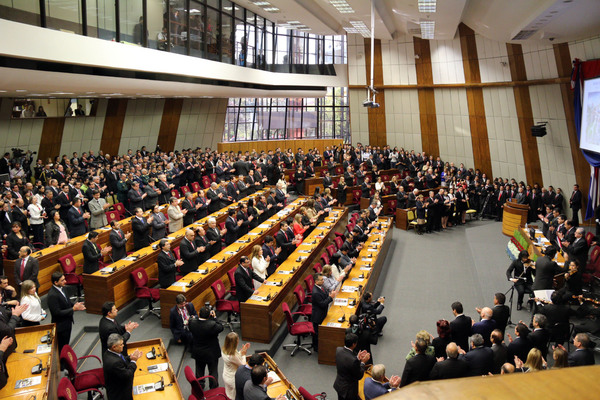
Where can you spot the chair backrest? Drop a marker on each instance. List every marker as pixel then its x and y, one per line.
pixel 213 177
pixel 184 189
pixel 386 190
pixel 300 295
pixel 120 208
pixel 589 237
pixel 175 193
pixel 288 315
pixel 595 254
pixel 218 288
pixel 69 359
pixel 231 275
pixel 305 394
pixel 325 258
pixel 65 390
pixel 112 216
pixel 191 378
pixel 338 242
pixel 196 186
pixel 177 252
pixel 392 205
pixel 385 178
pixel 410 215
pixel 318 268
pixel 139 276
pixel 205 182
pixel 68 264
pixel 222 225
pixel 339 170
pixel 310 283
pixel 331 250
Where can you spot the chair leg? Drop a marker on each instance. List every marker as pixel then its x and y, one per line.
pixel 298 345
pixel 150 310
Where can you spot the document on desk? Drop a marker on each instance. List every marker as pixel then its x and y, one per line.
pixel 334 324
pixel 285 272
pixel 230 252
pixel 129 258
pixel 340 302
pixel 106 270
pixel 264 226
pixel 349 289
pixel 257 298
pixel 367 259
pixel 365 268
pixel 180 284
pixel 23 383
pixel 212 261
pixel 147 388
pixel 271 283
pixel 43 349
pixel 357 279
pixel 158 367
pixel 273 375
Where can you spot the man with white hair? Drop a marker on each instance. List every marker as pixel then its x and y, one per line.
pixel 214 234
pixel 578 250
pixel 485 326
pixel 376 386
pixel 216 198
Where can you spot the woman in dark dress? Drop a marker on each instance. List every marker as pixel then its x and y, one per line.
pixel 341 191
pixel 15 240
pixel 440 342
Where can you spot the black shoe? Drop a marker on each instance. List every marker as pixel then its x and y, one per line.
pixel 380 334
pixel 519 307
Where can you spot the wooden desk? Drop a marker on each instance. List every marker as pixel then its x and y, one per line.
pixel 261 319
pixel 283 385
pixel 142 376
pixel 402 217
pixel 332 332
pixel 228 258
pixel 535 249
pixel 514 216
pixel 19 365
pixel 117 286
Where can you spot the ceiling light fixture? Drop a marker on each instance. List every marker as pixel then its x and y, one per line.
pixel 427 6
pixel 342 6
pixel 272 9
pixel 427 29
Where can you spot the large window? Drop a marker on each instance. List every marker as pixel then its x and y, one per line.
pixel 292 118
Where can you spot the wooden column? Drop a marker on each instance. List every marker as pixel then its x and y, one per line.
pixel 51 140
pixel 531 155
pixel 562 56
pixel 169 124
pixel 427 113
pixel 377 125
pixel 113 126
pixel 477 121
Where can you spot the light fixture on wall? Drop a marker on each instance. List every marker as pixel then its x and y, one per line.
pixel 371 92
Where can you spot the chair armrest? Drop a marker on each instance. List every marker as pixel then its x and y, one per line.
pixel 207 376
pixel 90 356
pixel 89 390
pixel 218 395
pixel 301 313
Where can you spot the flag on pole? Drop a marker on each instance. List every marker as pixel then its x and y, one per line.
pixel 593 194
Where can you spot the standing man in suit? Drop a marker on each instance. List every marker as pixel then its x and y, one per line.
pixel 460 327
pixel 271 250
pixel 188 204
pixel 189 252
pixel 167 264
pixel 135 196
pixel 77 218
pixel 286 241
pixel 578 250
pixel 213 234
pixel 485 327
pixel 243 374
pixel 480 358
pixel 205 344
pixel 179 318
pixel 176 215
pixel 202 245
pixel 545 269
pixel 109 325
pixel 118 241
pixel 583 354
pixel 450 368
pixel 215 198
pixel 376 386
pixel 64 201
pixel 500 312
pixel 98 207
pixel 141 229
pixel 244 287
pixel 118 369
pixel 320 306
pixel 418 368
pixel 26 267
pixel 350 368
pixel 540 336
pixel 232 226
pixel 62 309
pixel 575 204
pixel 520 346
pixel 92 253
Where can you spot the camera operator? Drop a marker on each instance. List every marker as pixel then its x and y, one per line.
pixel 179 318
pixel 369 306
pixel 205 344
pixel 364 326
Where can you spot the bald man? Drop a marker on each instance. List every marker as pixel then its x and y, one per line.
pixel 451 367
pixel 485 326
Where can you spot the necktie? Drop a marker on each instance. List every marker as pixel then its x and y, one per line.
pixel 22 268
pixel 122 357
pixel 192 244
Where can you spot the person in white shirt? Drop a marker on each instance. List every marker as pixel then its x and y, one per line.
pixel 34 313
pixel 36 220
pixel 259 263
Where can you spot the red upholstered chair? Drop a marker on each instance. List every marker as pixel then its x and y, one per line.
pixel 69 266
pixel 213 177
pixel 177 253
pixel 392 206
pixel 318 268
pixel 142 291
pixel 325 258
pixel 331 249
pixel 112 216
pixel 339 170
pixel 385 178
pixel 298 329
pixel 85 380
pixel 231 276
pixel 184 190
pixel 386 190
pixel 231 307
pixel 307 396
pixel 338 242
pixel 303 308
pixel 197 383
pixel 120 208
pixel 588 238
pixel 309 282
pixel 66 391
pixel 175 193
pixel 196 186
pixel 349 227
pixel 206 182
pixel 356 193
pixel 334 183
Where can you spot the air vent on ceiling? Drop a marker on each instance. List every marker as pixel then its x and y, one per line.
pixel 414 31
pixel 524 35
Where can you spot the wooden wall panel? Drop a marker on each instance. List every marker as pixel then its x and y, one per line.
pixel 169 124
pixel 562 56
pixel 427 112
pixel 531 156
pixel 51 140
pixel 377 123
pixel 113 126
pixel 477 121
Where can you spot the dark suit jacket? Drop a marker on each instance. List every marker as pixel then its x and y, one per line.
pixel 480 360
pixel 118 376
pixel 349 372
pixel 244 287
pixel 254 392
pixel 500 352
pixel 166 269
pixel 61 309
pixel 159 227
pixel 578 250
pixel 135 200
pixel 176 322
pixel 539 339
pixel 285 242
pixel 214 235
pixel 581 357
pixel 205 335
pixel 52 232
pixel 18 216
pixel 32 267
pixel 460 330
pixel 500 315
pixel 320 305
pixel 141 230
pixel 118 243
pixel 518 347
pixel 242 375
pixel 484 328
pixel 91 256
pixel 76 222
pixel 106 327
pixel 232 231
pixel 545 269
pixel 417 368
pixel 189 256
pixel 190 216
pixel 575 201
pixel 450 368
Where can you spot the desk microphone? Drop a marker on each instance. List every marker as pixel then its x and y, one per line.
pixel 191 283
pixel 36 369
pixel 160 385
pixel 47 338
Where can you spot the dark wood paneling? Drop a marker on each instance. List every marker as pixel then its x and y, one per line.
pixel 377 124
pixel 477 122
pixel 534 82
pixel 51 139
pixel 582 168
pixel 531 156
pixel 113 126
pixel 169 124
pixel 427 113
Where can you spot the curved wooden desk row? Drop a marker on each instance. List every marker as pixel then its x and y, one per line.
pixel 19 365
pixel 261 318
pixel 217 267
pixel 542 242
pixel 144 380
pixel 117 286
pixel 369 264
pixel 311 183
pixel 282 384
pixel 514 216
pixel 48 257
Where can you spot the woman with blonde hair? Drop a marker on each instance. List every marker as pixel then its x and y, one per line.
pixel 560 357
pixel 232 360
pixel 535 361
pixel 427 338
pixel 34 313
pixel 298 228
pixel 259 263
